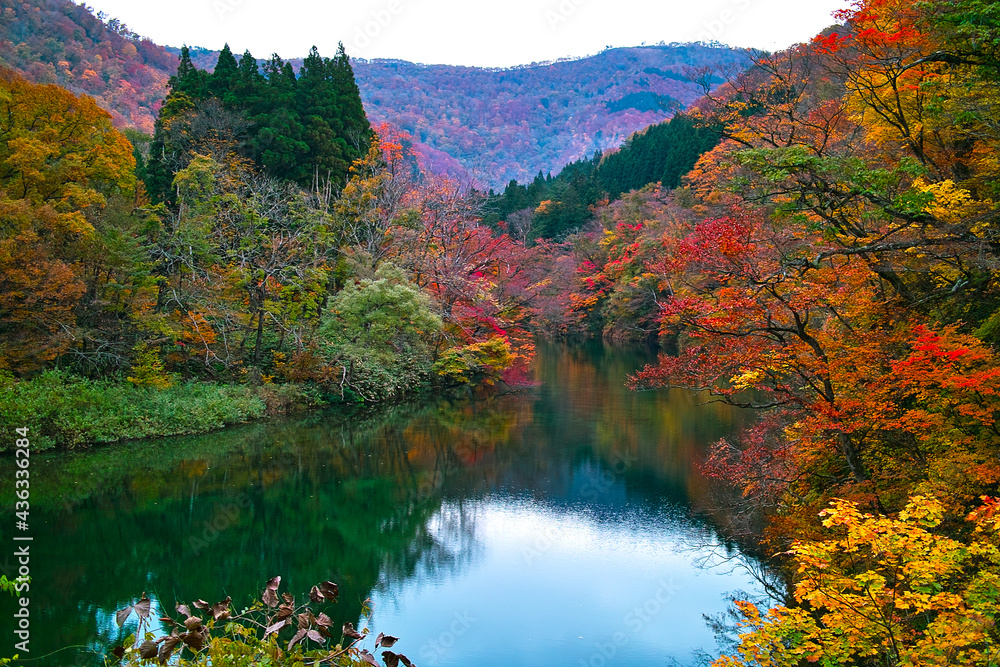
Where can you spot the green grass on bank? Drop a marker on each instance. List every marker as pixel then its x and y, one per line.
pixel 65 411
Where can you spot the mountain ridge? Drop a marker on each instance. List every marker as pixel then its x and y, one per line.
pixel 486 126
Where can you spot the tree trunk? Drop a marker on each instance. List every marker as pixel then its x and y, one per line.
pixel 260 337
pixel 853 458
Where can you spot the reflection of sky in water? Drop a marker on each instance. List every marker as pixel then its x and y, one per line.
pixel 515 581
pixel 520 530
pixel 106 621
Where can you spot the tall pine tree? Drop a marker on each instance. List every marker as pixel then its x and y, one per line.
pixel 294 127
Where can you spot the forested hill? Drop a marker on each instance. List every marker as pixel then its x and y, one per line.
pixel 498 125
pixel 57 41
pixel 554 207
pixel 495 124
pixel 512 123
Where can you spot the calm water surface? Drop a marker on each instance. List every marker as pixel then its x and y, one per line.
pixel 554 526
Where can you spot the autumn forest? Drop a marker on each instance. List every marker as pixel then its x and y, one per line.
pixel 813 239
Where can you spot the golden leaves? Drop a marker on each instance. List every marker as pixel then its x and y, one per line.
pixel 955 205
pixel 58 147
pixel 887 589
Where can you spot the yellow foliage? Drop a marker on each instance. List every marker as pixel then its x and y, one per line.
pixel 59 149
pixel 475 360
pixel 148 370
pixel 952 204
pixel 884 591
pixel 544 207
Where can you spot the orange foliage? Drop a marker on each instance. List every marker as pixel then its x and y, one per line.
pixel 59 155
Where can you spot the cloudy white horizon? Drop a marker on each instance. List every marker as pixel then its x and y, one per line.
pixel 484 34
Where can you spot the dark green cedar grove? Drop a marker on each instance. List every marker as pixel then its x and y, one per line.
pixel 295 127
pixel 661 154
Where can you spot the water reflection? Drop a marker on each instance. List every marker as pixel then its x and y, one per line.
pixel 556 518
pixel 557 585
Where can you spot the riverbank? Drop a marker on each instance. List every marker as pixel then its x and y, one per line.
pixel 65 411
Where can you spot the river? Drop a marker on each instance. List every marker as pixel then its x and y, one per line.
pixel 555 525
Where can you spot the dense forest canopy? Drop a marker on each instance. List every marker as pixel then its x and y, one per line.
pixel 815 239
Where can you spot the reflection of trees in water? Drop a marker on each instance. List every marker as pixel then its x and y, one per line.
pixel 324 501
pixel 447 546
pixel 710 550
pixel 366 499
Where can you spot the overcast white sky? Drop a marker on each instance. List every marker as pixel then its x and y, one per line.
pixel 495 33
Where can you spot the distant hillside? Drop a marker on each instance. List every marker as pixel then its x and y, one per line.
pixel 496 125
pixel 509 124
pixel 56 41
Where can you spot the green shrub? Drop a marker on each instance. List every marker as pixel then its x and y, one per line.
pixel 475 362
pixel 292 397
pixel 381 332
